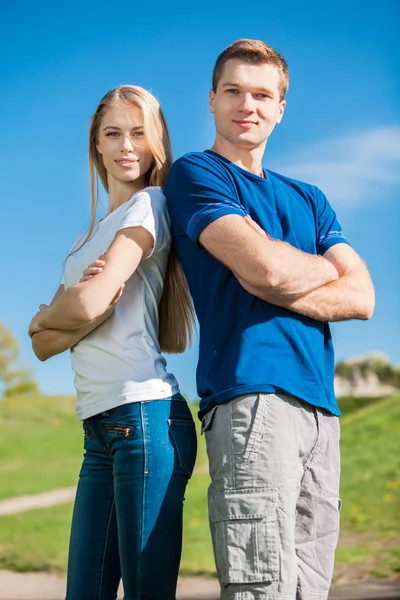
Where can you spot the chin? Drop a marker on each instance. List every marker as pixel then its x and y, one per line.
pixel 248 141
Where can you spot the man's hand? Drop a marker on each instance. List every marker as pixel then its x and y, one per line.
pixel 350 297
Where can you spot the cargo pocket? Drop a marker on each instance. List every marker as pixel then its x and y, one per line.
pixel 184 437
pixel 244 531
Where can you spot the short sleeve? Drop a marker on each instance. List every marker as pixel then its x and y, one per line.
pixel 329 229
pixel 148 209
pixel 79 238
pixel 199 191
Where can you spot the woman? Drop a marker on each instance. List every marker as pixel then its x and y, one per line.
pixel 116 316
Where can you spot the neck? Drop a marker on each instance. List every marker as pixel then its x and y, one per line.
pixel 246 157
pixel 121 191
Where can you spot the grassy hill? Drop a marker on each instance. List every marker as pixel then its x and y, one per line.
pixel 41 449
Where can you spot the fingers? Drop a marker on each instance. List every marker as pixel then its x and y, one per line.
pixel 93 269
pixel 43 306
pixel 97 264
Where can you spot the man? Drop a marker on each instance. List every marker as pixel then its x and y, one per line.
pixel 268 268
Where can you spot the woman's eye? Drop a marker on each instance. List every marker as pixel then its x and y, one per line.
pixel 112 134
pixel 138 134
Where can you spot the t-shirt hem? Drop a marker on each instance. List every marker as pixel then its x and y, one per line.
pixel 225 396
pixel 98 407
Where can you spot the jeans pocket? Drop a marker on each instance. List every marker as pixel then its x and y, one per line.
pixel 86 430
pixel 119 429
pixel 244 531
pixel 184 438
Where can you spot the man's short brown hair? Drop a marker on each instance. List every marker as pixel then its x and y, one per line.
pixel 255 52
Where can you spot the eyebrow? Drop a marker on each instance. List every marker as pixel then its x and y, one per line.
pixel 119 129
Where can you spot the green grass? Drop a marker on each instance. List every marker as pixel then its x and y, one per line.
pixel 41 448
pixel 36 540
pixel 371 470
pixel 40 444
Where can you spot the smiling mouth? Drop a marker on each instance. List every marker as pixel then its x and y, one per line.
pixel 126 162
pixel 245 124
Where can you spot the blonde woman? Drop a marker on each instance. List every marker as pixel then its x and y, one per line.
pixel 117 314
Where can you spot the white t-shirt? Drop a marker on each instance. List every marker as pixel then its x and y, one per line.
pixel 120 361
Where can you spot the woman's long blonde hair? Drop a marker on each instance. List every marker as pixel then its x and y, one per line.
pixel 176 314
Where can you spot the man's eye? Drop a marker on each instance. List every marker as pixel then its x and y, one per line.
pixel 232 91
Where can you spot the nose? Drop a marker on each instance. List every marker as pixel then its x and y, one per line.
pixel 247 103
pixel 127 144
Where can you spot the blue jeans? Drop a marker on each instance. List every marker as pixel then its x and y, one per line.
pixel 127 518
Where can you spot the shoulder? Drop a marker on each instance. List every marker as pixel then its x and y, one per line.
pixel 151 192
pixel 151 196
pixel 302 187
pixel 193 159
pixel 197 167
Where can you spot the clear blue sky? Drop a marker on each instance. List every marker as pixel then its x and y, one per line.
pixel 341 131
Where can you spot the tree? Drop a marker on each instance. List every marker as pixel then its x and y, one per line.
pixel 371 363
pixel 12 379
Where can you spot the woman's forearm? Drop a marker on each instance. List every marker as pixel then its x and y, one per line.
pixel 49 342
pixel 68 313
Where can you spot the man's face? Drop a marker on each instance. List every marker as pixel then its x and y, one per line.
pixel 247 103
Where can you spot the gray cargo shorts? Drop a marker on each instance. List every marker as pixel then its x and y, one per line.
pixel 274 497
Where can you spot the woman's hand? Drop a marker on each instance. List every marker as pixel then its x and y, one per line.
pixel 93 269
pixel 35 325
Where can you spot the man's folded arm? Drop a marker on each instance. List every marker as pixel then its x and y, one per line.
pixel 274 268
pixel 351 296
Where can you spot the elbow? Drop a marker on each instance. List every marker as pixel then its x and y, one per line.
pixel 368 311
pixel 40 351
pixel 272 282
pixel 367 306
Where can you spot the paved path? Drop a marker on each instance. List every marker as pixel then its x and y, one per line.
pixel 44 500
pixel 42 586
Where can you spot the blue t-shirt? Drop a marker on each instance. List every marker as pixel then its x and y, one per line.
pixel 246 344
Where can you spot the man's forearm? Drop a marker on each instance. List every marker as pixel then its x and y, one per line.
pixel 350 297
pixel 295 273
pixel 269 265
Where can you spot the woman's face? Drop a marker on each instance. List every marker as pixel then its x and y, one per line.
pixel 122 143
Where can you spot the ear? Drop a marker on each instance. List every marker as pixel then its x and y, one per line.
pixel 282 106
pixel 211 98
pixel 98 149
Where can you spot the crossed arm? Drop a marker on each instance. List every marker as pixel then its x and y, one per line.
pixel 334 287
pixel 77 311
